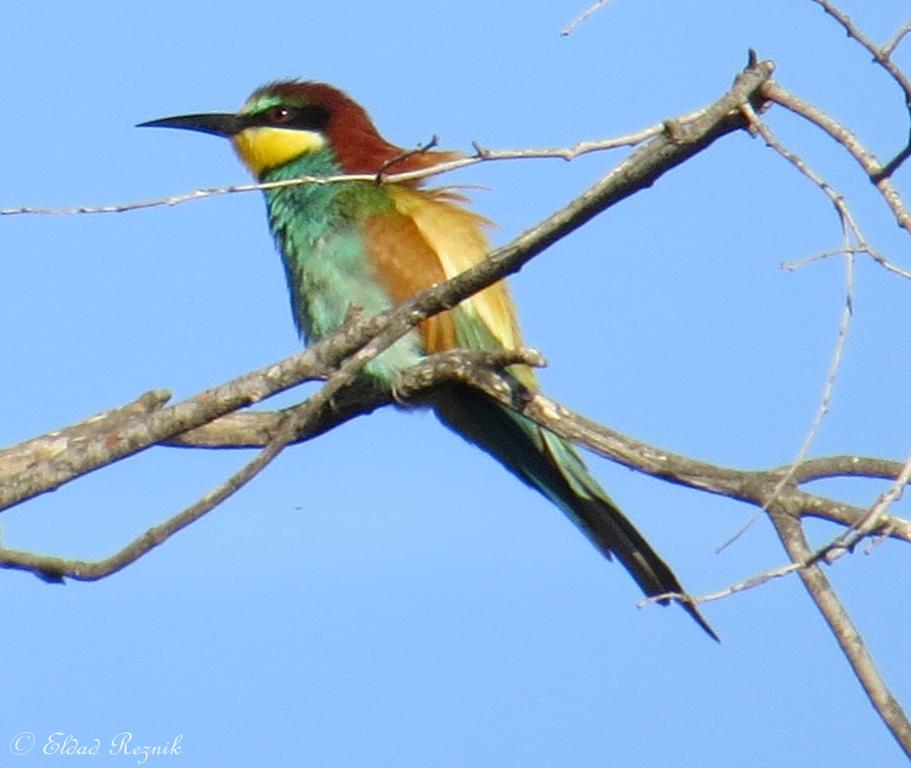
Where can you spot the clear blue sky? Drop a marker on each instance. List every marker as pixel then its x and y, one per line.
pixel 387 595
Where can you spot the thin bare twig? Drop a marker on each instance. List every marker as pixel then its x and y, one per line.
pixel 853 241
pixel 480 155
pixel 889 48
pixel 880 55
pixel 872 521
pixel 583 17
pixel 850 231
pixel 754 581
pixel 866 250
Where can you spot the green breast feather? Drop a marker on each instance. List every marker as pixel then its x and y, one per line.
pixel 318 231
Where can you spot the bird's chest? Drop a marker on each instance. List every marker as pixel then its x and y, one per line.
pixel 319 232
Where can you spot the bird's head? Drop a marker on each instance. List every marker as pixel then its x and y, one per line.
pixel 284 120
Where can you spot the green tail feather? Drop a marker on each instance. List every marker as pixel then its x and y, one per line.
pixel 550 465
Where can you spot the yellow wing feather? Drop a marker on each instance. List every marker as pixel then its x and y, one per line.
pixel 457 237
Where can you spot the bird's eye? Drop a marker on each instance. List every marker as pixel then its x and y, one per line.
pixel 280 114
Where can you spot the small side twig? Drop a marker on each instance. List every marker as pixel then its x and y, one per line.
pixel 850 231
pixel 419 150
pixel 583 17
pixel 873 520
pixel 880 55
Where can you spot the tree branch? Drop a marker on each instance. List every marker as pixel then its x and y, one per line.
pixel 867 160
pixel 849 639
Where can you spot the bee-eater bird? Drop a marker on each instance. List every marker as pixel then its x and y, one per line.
pixel 370 246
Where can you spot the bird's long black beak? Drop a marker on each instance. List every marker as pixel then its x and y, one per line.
pixel 218 124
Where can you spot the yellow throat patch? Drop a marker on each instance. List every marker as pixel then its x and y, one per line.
pixel 264 147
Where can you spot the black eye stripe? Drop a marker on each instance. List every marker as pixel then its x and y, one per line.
pixel 306 118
